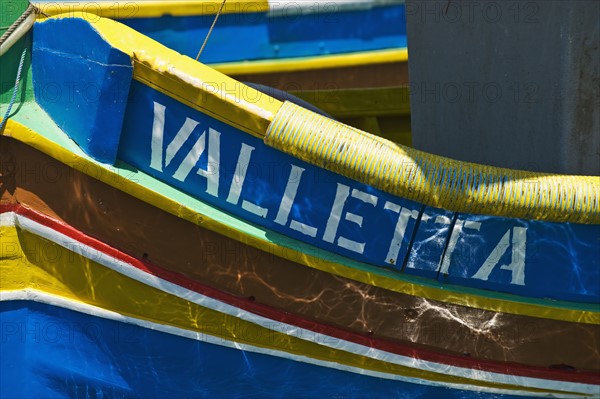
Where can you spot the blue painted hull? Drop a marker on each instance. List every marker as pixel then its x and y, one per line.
pixel 59 353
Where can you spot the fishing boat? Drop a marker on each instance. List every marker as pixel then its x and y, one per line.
pixel 309 49
pixel 170 232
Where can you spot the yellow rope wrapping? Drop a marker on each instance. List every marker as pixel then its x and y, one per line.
pixel 430 179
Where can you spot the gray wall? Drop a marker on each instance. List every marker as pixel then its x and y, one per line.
pixel 509 83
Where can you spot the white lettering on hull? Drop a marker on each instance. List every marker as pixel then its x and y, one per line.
pixel 337 209
pixel 289 196
pixel 517 263
pixel 404 216
pixel 161 157
pixel 157 156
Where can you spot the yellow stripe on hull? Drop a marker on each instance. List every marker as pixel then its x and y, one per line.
pixel 312 63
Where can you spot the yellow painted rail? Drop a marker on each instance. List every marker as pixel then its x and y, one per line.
pixel 430 179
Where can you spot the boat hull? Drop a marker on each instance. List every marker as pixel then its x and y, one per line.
pixel 206 211
pixel 200 255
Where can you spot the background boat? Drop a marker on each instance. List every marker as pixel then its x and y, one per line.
pixel 347 58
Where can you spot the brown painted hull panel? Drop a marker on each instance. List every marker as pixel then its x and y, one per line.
pixel 357 77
